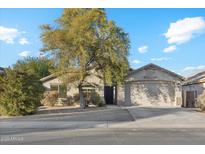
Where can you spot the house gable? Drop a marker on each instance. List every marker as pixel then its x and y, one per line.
pixel 153 72
pixel 197 78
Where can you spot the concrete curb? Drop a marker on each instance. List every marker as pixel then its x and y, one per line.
pixel 131 114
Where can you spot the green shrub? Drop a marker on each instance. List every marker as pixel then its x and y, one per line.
pixel 201 101
pixel 50 98
pixel 95 99
pixel 20 93
pixel 76 97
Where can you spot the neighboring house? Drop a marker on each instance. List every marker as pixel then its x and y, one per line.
pixel 148 85
pixel 192 88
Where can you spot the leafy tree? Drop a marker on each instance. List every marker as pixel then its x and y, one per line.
pixel 40 67
pixel 20 93
pixel 83 40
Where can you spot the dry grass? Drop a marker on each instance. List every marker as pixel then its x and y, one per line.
pixel 50 98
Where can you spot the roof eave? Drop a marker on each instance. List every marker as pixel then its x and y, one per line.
pixel 151 64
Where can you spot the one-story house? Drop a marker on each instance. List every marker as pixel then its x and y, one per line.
pixel 192 88
pixel 148 85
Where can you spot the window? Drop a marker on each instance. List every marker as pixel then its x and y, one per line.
pixel 62 91
pixel 54 87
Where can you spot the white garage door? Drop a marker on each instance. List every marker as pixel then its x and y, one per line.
pixel 152 93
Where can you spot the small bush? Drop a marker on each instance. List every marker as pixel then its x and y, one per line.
pixel 201 101
pixel 76 97
pixel 72 100
pixel 50 98
pixel 20 93
pixel 95 99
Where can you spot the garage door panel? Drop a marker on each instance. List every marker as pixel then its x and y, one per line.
pixel 152 93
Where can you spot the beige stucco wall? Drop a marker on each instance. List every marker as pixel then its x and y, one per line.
pixel 151 74
pixel 120 95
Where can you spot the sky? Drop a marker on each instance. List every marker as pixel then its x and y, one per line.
pixel 171 38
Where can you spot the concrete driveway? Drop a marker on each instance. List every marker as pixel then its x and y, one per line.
pixel 166 117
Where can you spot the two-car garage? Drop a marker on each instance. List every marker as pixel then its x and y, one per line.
pixel 153 85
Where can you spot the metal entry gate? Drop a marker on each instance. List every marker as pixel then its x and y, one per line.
pixel 108 94
pixel 190 99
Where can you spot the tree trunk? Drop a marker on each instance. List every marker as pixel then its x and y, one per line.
pixel 82 100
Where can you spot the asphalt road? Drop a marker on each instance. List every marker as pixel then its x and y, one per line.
pixel 109 136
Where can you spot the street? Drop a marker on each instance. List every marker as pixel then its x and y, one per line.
pixel 110 136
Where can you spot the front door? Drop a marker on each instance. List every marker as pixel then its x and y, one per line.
pixel 190 99
pixel 108 94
